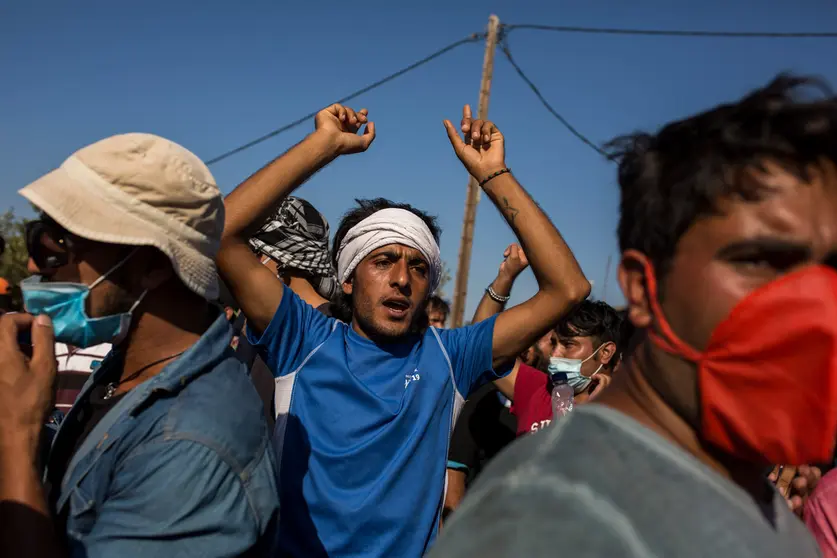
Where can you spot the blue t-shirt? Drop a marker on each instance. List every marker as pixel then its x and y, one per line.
pixel 362 430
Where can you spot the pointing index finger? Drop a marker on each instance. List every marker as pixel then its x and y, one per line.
pixel 466 112
pixel 454 138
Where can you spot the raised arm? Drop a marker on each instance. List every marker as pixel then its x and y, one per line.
pixel 252 284
pixel 561 282
pixel 514 263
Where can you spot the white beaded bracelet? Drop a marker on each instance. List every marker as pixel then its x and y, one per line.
pixel 497 298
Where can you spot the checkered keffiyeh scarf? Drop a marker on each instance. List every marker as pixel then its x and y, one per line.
pixel 296 237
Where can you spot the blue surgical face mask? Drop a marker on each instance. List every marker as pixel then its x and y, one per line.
pixel 64 303
pixel 572 368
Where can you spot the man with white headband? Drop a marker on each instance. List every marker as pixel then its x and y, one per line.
pixel 365 404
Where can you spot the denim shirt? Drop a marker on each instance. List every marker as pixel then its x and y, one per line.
pixel 181 466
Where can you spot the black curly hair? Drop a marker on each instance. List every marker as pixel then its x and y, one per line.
pixel 438 303
pixel 595 319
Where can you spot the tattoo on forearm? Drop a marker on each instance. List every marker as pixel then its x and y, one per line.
pixel 512 211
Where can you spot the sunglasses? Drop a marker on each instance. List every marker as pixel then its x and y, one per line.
pixel 48 243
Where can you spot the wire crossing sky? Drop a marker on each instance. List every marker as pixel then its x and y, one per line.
pixel 470 39
pixel 676 33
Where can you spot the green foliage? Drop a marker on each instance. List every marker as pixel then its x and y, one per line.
pixel 13 261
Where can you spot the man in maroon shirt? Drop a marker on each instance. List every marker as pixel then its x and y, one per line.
pixel 589 333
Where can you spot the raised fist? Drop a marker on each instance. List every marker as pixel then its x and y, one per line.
pixel 341 126
pixel 514 263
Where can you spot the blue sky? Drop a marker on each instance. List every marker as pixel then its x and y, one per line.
pixel 212 75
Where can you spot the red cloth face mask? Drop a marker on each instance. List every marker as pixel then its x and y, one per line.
pixel 768 377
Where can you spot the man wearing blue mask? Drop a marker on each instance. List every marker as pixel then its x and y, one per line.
pixel 165 452
pixel 587 352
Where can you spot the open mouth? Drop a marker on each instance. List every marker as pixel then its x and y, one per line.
pixel 397 307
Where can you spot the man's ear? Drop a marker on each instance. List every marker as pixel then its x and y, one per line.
pixel 631 275
pixel 348 287
pixel 607 352
pixel 154 268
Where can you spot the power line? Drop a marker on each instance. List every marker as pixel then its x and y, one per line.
pixel 507 28
pixel 469 39
pixel 505 48
pixel 673 33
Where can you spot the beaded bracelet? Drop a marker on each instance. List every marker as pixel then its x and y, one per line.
pixel 492 176
pixel 496 297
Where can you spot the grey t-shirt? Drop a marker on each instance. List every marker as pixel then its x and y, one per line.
pixel 600 484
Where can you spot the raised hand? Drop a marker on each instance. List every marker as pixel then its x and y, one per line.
pixel 514 263
pixel 482 150
pixel 341 125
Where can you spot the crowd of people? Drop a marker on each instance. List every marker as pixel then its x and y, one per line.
pixel 194 375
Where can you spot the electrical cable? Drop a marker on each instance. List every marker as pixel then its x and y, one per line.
pixel 469 39
pixel 673 33
pixel 504 46
pixel 505 29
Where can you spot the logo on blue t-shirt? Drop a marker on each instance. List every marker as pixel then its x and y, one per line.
pixel 414 377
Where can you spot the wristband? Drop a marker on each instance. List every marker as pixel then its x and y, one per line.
pixel 493 175
pixel 495 297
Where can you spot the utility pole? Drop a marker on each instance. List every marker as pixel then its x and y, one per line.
pixel 607 274
pixel 472 197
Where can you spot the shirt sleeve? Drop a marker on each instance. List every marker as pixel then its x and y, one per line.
pixel 821 515
pixel 173 498
pixel 528 381
pixel 470 350
pixel 464 452
pixel 293 333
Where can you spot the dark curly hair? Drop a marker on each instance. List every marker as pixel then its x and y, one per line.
pixel 670 179
pixel 341 307
pixel 595 319
pixel 438 303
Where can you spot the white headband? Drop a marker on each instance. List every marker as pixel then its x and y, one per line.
pixel 388 226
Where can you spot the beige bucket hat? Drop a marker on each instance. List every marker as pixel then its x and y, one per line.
pixel 140 190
